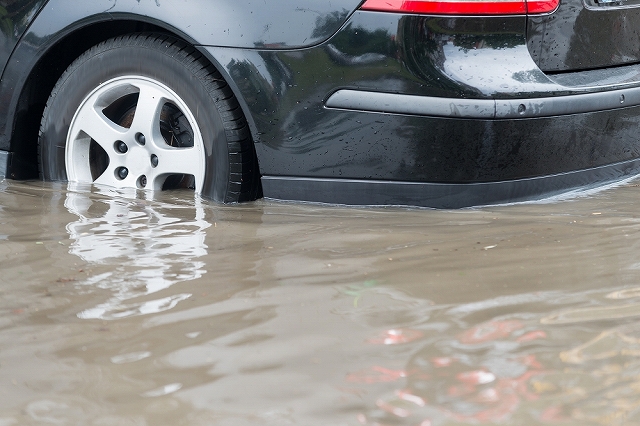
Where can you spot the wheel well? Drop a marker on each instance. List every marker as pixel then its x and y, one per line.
pixel 42 79
pixel 44 76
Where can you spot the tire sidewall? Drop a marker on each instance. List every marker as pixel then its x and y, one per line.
pixel 94 68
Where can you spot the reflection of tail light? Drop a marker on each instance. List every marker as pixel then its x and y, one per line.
pixel 463 7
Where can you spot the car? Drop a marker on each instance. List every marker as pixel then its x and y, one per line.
pixel 433 103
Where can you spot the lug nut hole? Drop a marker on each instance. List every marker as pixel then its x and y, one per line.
pixel 154 160
pixel 140 138
pixel 121 147
pixel 142 181
pixel 122 173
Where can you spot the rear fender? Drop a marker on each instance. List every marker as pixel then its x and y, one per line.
pixel 250 24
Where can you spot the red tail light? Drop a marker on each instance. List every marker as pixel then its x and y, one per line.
pixel 463 7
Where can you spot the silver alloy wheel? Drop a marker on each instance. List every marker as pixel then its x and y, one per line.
pixel 105 150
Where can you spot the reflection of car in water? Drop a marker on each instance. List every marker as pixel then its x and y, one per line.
pixel 148 248
pixel 429 103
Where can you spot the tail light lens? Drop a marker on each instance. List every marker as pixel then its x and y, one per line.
pixel 463 7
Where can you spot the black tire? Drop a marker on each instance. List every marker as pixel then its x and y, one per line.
pixel 230 165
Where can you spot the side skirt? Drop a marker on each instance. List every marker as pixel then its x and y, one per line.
pixel 13 167
pixel 5 164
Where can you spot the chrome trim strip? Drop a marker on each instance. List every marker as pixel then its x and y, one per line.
pixel 394 103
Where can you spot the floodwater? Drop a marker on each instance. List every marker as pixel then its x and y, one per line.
pixel 125 309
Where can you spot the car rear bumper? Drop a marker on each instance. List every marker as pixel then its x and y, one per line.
pixel 441 195
pixel 431 111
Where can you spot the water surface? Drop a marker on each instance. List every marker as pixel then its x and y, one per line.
pixel 130 309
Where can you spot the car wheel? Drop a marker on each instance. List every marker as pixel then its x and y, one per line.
pixel 147 111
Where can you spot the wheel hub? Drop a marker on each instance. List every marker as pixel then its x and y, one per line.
pixel 138 163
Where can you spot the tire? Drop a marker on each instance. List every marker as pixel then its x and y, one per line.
pixel 147 111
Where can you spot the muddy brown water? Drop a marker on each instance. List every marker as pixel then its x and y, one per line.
pixel 125 309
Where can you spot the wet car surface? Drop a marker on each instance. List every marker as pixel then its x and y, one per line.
pixel 440 104
pixel 125 309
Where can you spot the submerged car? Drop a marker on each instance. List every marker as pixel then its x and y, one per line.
pixel 428 103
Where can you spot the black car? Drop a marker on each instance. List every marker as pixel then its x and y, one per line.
pixel 428 103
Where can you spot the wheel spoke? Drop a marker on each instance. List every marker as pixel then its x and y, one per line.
pixel 147 116
pixel 109 178
pixel 179 160
pixel 173 161
pixel 98 127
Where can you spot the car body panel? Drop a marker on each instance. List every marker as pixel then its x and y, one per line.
pixel 286 94
pixel 232 23
pixel 237 23
pixel 15 17
pixel 585 34
pixel 383 104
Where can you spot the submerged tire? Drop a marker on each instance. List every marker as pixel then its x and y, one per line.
pixel 147 111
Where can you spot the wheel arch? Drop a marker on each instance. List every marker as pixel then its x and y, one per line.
pixel 29 95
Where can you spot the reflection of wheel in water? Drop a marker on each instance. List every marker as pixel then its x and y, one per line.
pixel 143 248
pixel 146 111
